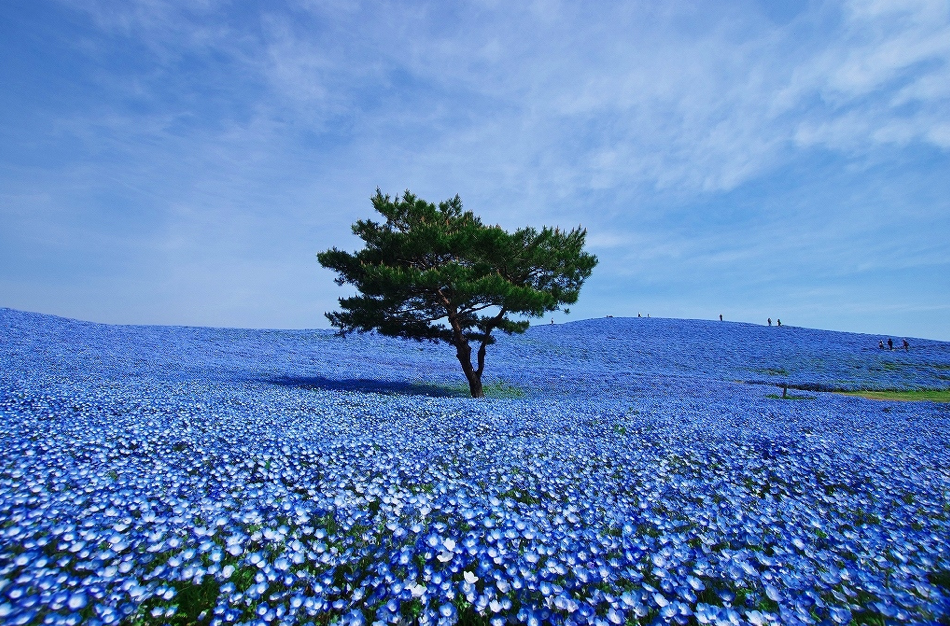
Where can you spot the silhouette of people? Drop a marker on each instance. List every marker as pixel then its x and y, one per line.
pixel 779 322
pixel 638 315
pixel 906 346
pixel 880 344
pixel 770 321
pixel 720 317
pixel 890 343
pixel 552 320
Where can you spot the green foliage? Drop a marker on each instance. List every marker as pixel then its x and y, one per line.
pixel 941 578
pixel 193 604
pixel 437 273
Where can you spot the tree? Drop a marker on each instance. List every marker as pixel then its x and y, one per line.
pixel 438 274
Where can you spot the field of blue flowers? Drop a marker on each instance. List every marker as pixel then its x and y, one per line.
pixel 625 471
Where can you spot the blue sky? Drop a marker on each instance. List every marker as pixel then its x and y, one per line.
pixel 182 162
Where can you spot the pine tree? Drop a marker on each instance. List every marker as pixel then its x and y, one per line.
pixel 436 273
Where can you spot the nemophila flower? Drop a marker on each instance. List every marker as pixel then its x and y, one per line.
pixel 561 504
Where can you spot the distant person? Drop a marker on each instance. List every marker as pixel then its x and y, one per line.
pixel 720 317
pixel 906 346
pixel 880 344
pixel 890 343
pixel 638 315
pixel 552 320
pixel 770 321
pixel 779 322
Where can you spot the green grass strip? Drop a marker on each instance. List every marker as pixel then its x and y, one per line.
pixel 930 395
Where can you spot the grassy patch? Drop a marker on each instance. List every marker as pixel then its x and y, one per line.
pixel 501 389
pixel 778 396
pixel 494 389
pixel 929 395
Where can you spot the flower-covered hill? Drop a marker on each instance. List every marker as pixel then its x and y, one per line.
pixel 625 472
pixel 726 351
pixel 612 355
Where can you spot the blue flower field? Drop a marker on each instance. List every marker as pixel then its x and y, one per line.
pixel 622 471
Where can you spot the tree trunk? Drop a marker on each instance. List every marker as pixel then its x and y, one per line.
pixel 475 386
pixel 464 354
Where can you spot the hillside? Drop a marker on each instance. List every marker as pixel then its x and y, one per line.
pixel 610 355
pixel 625 471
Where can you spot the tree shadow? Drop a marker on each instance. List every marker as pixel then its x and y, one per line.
pixel 369 385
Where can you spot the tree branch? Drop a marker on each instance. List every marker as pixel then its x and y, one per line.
pixel 476 309
pixel 481 348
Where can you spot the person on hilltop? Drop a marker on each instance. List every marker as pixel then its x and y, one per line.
pixel 770 321
pixel 890 343
pixel 880 344
pixel 779 322
pixel 906 346
pixel 720 317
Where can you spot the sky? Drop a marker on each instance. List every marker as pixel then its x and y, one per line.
pixel 166 162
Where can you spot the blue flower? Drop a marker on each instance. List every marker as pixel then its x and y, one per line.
pixel 585 503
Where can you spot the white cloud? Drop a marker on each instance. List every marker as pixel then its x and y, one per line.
pixel 627 119
pixel 696 97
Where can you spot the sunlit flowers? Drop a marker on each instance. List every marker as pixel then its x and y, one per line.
pixel 205 475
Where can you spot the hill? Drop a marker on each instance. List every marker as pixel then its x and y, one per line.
pixel 598 356
pixel 626 471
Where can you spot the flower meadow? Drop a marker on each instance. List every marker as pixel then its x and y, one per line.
pixel 625 471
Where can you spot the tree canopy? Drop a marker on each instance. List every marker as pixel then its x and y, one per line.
pixel 438 273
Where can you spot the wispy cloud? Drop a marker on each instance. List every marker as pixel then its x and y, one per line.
pixel 695 141
pixel 705 97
